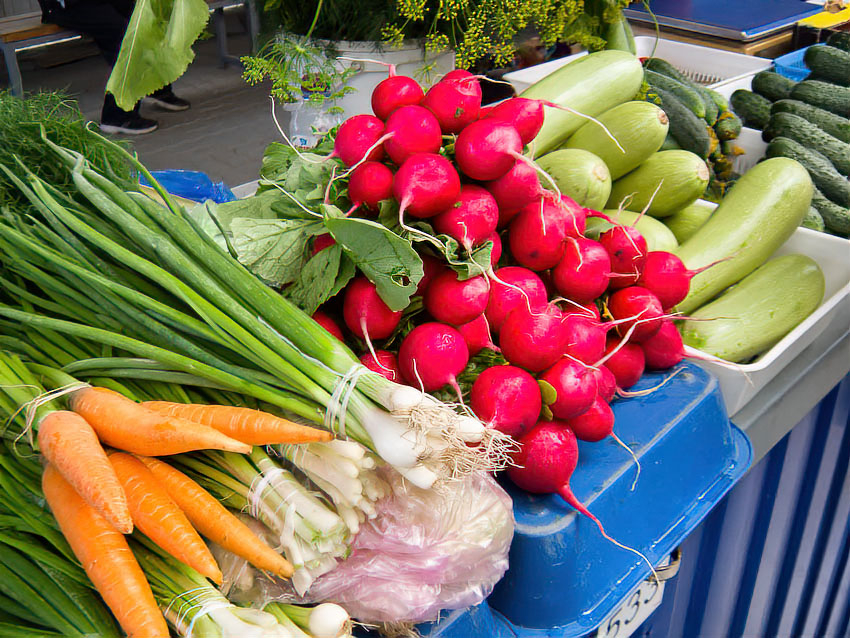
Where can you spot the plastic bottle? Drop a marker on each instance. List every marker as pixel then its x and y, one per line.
pixel 309 120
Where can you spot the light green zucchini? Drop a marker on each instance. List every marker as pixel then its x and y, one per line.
pixel 687 221
pixel 580 175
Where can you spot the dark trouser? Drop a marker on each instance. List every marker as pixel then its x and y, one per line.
pixel 105 21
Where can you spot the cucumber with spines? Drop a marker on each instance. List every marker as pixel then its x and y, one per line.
pixel 835 125
pixel 830 63
pixel 812 137
pixel 772 86
pixel 831 97
pixel 689 131
pixel 752 108
pixel 823 173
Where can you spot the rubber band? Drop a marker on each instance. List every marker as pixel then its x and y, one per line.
pixel 207 608
pixel 255 492
pixel 33 405
pixel 340 397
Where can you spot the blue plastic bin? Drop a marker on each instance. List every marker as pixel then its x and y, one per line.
pixel 792 66
pixel 193 185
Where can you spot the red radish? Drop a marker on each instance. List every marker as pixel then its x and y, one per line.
pixel 506 398
pixel 606 384
pixel 627 364
pixel 431 267
pixel 666 276
pixel 577 216
pixel 538 234
pixel 394 92
pixel 369 184
pixel 639 302
pixel 414 129
pixel 325 320
pixel 455 102
pixel 582 273
pixel 356 135
pixel 471 219
pixel 320 242
pixel 432 355
pixel 385 364
pixel 496 252
pixel 627 250
pixel 664 349
pixel 533 340
pixel 586 338
pixel 575 386
pixel 457 74
pixel 595 423
pixel 456 302
pixel 477 335
pixel 588 310
pixel 514 190
pixel 487 149
pixel 504 295
pixel 526 115
pixel 545 463
pixel 425 185
pixel 485 111
pixel 365 312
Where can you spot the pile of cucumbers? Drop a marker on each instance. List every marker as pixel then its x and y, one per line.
pixel 700 121
pixel 809 121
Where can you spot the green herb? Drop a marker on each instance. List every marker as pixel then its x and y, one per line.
pixel 322 277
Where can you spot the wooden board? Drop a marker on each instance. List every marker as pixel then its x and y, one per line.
pixel 26 27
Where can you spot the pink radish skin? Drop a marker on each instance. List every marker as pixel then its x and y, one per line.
pixel 575 385
pixel 320 242
pixel 525 114
pixel 471 219
pixel 538 234
pixel 431 267
pixel 363 307
pixel 627 364
pixel 433 354
pixel 370 184
pixel 504 298
pixel 664 349
pixel 534 341
pixel 586 338
pixel 582 273
pixel 487 149
pixel 636 301
pixel 426 184
pixel 356 135
pixel 627 250
pixel 514 190
pixel 496 252
pixel 577 217
pixel 386 364
pixel 587 310
pixel 456 302
pixel 506 398
pixel 665 275
pixel 414 129
pixel 325 320
pixel 595 423
pixel 476 334
pixel 393 93
pixel 606 384
pixel 455 102
pixel 457 74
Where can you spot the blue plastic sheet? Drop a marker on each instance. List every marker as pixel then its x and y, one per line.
pixel 193 185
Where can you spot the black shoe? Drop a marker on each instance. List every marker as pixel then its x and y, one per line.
pixel 168 101
pixel 135 125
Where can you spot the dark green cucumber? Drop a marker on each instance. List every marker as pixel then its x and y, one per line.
pixel 713 101
pixel 824 95
pixel 686 128
pixel 751 107
pixel 822 172
pixel 685 94
pixel 840 40
pixel 813 220
pixel 728 126
pixel 772 85
pixel 720 101
pixel 751 317
pixel 669 144
pixel 802 131
pixel 831 123
pixel 835 218
pixel 758 214
pixel 830 63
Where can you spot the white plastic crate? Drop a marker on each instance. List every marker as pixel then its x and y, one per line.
pixel 754 147
pixel 712 67
pixel 741 384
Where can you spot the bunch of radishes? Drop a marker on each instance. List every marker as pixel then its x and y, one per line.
pixel 575 319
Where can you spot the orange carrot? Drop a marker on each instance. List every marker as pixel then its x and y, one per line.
pixel 107 559
pixel 159 517
pixel 71 446
pixel 215 521
pixel 126 425
pixel 243 424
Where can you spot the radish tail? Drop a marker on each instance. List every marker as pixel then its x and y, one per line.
pixel 598 213
pixel 456 387
pixel 352 209
pixel 390 67
pixel 626 394
pixel 634 456
pixel 370 346
pixel 415 231
pixel 649 203
pixel 567 494
pixel 587 117
pixel 618 346
pixel 522 158
pixel 692 273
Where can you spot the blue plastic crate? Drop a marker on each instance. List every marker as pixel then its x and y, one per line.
pixel 792 66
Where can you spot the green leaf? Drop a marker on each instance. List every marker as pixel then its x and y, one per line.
pixel 157 47
pixel 327 272
pixel 467 265
pixel 386 259
pixel 273 249
pixel 548 392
